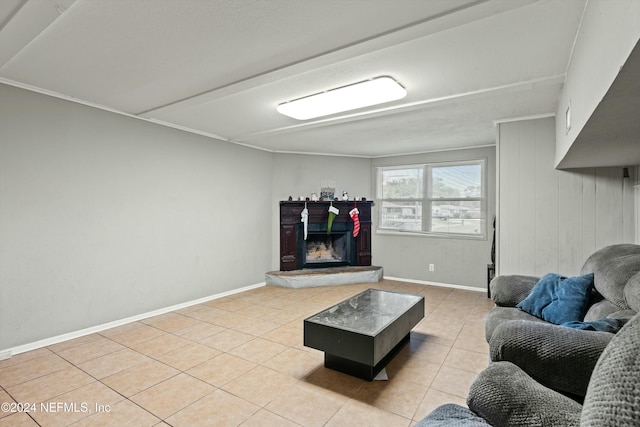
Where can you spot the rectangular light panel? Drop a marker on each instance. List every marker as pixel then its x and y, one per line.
pixel 375 91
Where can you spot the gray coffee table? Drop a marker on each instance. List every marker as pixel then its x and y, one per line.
pixel 360 335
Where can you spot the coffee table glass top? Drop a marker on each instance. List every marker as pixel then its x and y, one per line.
pixel 368 312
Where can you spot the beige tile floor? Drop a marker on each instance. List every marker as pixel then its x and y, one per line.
pixel 240 360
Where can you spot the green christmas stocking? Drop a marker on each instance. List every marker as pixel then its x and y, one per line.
pixel 332 214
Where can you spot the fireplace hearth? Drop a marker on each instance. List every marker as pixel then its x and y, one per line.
pixel 322 249
pixel 313 277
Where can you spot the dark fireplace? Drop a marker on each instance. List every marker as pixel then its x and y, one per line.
pixel 322 250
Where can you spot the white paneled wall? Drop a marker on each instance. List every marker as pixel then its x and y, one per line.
pixel 551 220
pixel 637 208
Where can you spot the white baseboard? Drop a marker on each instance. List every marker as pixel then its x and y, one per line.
pixel 7 353
pixel 442 285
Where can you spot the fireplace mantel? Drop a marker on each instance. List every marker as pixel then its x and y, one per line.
pixel 291 223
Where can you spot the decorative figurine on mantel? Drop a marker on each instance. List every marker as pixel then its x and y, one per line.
pixel 345 196
pixel 314 197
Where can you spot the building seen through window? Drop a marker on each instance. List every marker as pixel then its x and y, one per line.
pixel 437 198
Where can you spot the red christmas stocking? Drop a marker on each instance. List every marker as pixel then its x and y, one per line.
pixel 353 213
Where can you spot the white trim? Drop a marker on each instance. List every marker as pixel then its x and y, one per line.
pixel 58 95
pixel 182 128
pixel 442 285
pixel 496 261
pixel 109 109
pixel 575 39
pixel 637 210
pixel 522 118
pixel 430 234
pixel 313 153
pixel 374 156
pixel 7 353
pixel 411 106
pixel 441 150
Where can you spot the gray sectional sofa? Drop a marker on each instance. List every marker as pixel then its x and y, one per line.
pixel 559 357
pixel 616 282
pixel 584 373
pixel 505 395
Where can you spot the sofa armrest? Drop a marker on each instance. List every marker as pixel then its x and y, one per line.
pixel 505 395
pixel 556 356
pixel 507 291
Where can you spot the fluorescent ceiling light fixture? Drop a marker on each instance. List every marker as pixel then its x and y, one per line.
pixel 377 90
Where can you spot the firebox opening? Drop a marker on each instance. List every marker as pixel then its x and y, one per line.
pixel 325 249
pixel 322 250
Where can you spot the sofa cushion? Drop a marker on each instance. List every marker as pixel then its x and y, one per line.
pixel 632 292
pixel 612 397
pixel 559 299
pixel 509 290
pixel 504 395
pixel 623 314
pixel 500 315
pixel 557 357
pixel 600 309
pixel 613 266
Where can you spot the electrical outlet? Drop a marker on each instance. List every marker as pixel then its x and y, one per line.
pixel 432 267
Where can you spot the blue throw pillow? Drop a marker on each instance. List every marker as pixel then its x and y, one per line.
pixel 558 299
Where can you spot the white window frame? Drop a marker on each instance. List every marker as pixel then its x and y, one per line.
pixel 427 200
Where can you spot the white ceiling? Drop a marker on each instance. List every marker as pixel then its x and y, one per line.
pixel 220 67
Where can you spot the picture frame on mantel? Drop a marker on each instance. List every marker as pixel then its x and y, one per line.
pixel 327 190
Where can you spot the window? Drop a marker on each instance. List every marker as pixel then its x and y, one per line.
pixel 436 198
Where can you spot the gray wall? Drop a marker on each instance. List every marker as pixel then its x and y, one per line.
pixel 103 216
pixel 457 261
pixel 299 175
pixel 551 220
